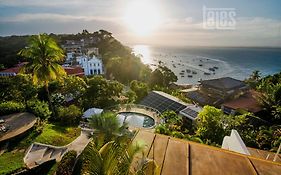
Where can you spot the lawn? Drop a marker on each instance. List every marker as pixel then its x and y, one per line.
pixel 58 135
pixel 11 161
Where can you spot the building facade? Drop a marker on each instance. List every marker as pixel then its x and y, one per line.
pixel 91 65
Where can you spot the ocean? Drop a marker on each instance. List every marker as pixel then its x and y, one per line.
pixel 192 64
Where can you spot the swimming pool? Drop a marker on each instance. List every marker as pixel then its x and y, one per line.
pixel 136 119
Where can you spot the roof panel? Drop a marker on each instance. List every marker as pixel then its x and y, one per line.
pixel 162 102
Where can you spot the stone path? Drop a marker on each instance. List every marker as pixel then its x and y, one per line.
pixel 39 153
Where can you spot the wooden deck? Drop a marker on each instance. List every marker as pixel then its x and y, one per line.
pixel 179 157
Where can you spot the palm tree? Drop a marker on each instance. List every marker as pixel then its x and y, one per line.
pixel 116 158
pixel 43 56
pixel 107 128
pixel 256 75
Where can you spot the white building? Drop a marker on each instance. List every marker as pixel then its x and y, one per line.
pixel 91 66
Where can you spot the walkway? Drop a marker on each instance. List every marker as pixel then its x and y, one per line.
pixel 39 153
pixel 17 124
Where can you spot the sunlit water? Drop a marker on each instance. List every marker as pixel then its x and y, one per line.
pixel 193 64
pixel 136 119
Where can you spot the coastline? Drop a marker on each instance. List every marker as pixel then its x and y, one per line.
pixel 193 64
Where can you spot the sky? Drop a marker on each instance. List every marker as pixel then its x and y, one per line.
pixel 153 22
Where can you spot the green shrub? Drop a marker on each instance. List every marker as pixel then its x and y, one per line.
pixel 66 164
pixel 10 107
pixel 39 109
pixel 69 115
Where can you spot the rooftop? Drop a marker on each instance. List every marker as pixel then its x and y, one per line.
pixel 163 102
pixel 247 102
pixel 75 70
pixel 225 83
pixel 179 157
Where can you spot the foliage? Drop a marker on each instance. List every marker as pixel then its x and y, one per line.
pixel 124 69
pixel 39 109
pixel 212 124
pixel 131 95
pixel 9 47
pixel 175 127
pixel 107 128
pixel 66 164
pixel 269 138
pixel 171 117
pixel 181 96
pixel 73 87
pixel 11 107
pixel 114 157
pixel 162 76
pixel 43 56
pixel 270 99
pixel 11 162
pixel 140 88
pixel 69 115
pixel 58 135
pixel 254 78
pixel 17 88
pixel 101 93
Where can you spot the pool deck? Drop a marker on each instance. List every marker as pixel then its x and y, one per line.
pixel 141 110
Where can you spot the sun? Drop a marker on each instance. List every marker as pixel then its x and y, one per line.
pixel 142 17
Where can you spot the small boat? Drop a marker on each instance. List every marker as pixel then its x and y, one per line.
pixel 194 72
pixel 207 73
pixel 215 67
pixel 181 73
pixel 188 71
pixel 182 76
pixel 189 76
pixel 200 65
pixel 179 63
pixel 211 69
pixel 174 65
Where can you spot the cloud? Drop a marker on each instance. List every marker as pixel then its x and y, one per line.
pixel 254 31
pixel 50 3
pixel 25 17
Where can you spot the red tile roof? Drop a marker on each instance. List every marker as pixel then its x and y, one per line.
pixel 12 70
pixel 247 102
pixel 77 70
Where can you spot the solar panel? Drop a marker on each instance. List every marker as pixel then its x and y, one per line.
pixel 190 112
pixel 162 103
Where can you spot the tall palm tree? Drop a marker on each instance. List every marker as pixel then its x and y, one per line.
pixel 43 56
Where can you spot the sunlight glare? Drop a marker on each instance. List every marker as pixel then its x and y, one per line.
pixel 144 52
pixel 142 17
